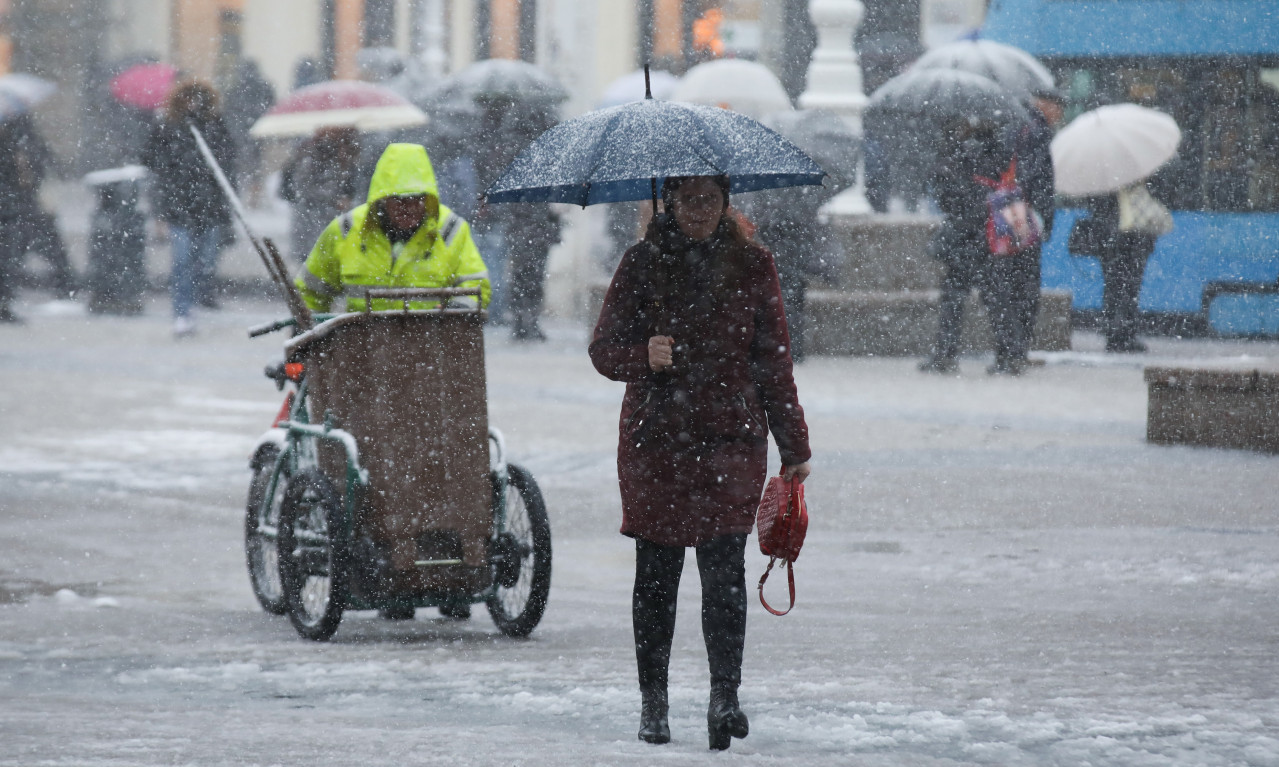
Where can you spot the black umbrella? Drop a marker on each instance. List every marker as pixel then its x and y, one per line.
pixel 1010 67
pixel 827 138
pixel 947 95
pixel 624 152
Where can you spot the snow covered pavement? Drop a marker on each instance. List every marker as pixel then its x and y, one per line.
pixel 998 572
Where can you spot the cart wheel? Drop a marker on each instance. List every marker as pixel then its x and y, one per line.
pixel 260 530
pixel 521 557
pixel 313 555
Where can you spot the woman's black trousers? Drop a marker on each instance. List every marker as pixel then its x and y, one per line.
pixel 721 564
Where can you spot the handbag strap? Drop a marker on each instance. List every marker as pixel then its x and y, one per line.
pixel 790 578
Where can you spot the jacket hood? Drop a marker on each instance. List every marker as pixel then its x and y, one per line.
pixel 404 169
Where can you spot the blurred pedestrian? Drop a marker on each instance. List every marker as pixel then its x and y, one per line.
pixel 185 195
pixel 531 230
pixel 25 226
pixel 973 151
pixel 804 248
pixel 505 127
pixel 248 98
pixel 1035 177
pixel 1121 230
pixel 320 181
pixel 693 323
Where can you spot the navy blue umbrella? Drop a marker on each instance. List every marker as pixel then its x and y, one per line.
pixel 624 152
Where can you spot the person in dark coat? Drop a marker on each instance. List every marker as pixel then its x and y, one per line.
pixel 1032 146
pixel 693 323
pixel 531 230
pixel 803 246
pixel 515 239
pixel 25 226
pixel 185 195
pixel 247 99
pixel 321 181
pixel 972 151
pixel 1123 255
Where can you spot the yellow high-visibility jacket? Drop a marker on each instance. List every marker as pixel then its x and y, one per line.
pixel 354 254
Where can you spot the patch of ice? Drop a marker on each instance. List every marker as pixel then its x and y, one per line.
pixel 64 307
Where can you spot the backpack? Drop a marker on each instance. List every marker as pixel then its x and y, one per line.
pixel 1012 226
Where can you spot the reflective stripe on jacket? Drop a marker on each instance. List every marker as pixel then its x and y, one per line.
pixel 353 254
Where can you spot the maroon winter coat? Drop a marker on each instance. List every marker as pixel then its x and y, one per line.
pixel 692 451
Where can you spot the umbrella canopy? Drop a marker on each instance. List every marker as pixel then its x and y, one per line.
pixel 742 86
pixel 947 94
pixel 630 87
pixel 1010 67
pixel 501 80
pixel 145 86
pixel 337 103
pixel 1104 150
pixel 613 154
pixel 831 142
pixel 824 136
pixel 28 89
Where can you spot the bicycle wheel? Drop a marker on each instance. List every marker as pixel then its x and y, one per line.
pixel 261 528
pixel 313 555
pixel 521 557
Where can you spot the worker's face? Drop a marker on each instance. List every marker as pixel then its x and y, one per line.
pixel 404 212
pixel 697 206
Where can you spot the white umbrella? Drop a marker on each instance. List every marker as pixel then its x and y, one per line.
pixel 1104 150
pixel 354 103
pixel 742 86
pixel 630 87
pixel 28 89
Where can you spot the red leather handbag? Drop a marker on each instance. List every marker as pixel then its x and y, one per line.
pixel 781 523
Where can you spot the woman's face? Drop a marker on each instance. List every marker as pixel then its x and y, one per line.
pixel 697 206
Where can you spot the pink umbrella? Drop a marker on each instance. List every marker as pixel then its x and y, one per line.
pixel 351 103
pixel 145 86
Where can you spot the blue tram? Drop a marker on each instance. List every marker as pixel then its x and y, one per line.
pixel 1214 66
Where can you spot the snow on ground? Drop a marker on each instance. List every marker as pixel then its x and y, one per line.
pixel 998 572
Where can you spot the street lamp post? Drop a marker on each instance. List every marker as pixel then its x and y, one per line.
pixel 835 84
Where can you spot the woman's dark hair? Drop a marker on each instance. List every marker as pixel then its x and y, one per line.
pixel 673 183
pixel 191 100
pixel 336 144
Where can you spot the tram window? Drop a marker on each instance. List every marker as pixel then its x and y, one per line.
pixel 1263 127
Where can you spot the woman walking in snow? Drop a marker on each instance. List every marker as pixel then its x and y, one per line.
pixel 693 323
pixel 186 196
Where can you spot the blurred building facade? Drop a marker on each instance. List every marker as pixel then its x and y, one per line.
pixel 80 43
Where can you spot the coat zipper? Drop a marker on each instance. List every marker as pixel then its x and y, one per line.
pixel 749 413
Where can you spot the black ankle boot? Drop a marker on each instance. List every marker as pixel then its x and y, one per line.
pixel 654 727
pixel 724 718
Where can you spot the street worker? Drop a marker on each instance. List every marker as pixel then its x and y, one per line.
pixel 401 238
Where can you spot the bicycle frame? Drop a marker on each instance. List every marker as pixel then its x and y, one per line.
pixel 299 451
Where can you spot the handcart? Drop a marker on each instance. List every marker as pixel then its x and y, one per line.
pixel 381 485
